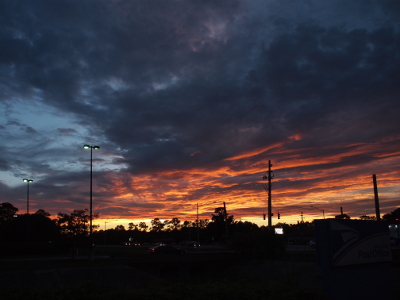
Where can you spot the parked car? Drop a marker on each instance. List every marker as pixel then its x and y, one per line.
pixel 166 250
pixel 190 244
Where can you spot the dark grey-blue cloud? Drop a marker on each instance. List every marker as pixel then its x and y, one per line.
pixel 255 86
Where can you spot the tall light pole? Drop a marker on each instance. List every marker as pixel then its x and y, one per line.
pixel 27 195
pixel 321 210
pixel 91 190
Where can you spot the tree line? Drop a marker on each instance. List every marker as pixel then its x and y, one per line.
pixel 72 230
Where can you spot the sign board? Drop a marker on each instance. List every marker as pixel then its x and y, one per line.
pixel 354 256
pixel 352 242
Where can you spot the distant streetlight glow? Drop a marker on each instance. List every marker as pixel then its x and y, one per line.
pixel 27 195
pixel 91 190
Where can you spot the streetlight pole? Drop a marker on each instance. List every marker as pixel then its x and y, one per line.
pixel 321 210
pixel 91 191
pixel 27 195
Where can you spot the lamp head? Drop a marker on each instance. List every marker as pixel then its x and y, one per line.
pixel 91 147
pixel 27 180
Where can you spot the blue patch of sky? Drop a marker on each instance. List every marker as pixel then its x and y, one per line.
pixel 51 138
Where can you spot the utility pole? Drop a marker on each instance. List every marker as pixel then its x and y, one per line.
pixel 268 188
pixel 378 214
pixel 226 221
pixel 105 232
pixel 197 223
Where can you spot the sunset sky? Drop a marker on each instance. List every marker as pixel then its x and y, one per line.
pixel 189 100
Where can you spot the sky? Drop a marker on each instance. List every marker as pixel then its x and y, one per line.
pixel 190 100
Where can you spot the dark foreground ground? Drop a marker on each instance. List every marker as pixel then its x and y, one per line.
pixel 134 274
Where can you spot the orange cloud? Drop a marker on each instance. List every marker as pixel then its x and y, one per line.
pixel 327 177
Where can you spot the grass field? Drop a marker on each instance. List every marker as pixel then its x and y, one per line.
pixel 131 273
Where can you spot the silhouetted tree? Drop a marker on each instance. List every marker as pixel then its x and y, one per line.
pixel 392 217
pixel 187 232
pixel 203 223
pixel 174 224
pixel 219 227
pixel 132 226
pixel 75 225
pixel 186 224
pixel 32 228
pixel 246 226
pixel 42 212
pixel 299 233
pixel 343 217
pixel 42 228
pixel 368 218
pixel 219 215
pixel 120 228
pixel 285 226
pixel 156 225
pixel 143 226
pixel 7 211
